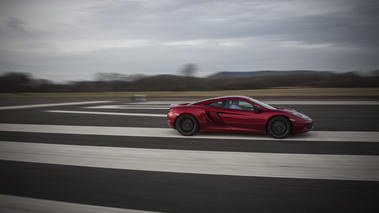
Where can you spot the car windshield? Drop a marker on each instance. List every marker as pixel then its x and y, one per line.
pixel 262 104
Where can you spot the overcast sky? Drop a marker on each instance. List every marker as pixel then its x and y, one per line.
pixel 74 39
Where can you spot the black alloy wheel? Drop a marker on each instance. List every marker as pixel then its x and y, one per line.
pixel 187 125
pixel 279 127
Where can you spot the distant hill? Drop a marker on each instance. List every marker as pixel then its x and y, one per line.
pixel 231 74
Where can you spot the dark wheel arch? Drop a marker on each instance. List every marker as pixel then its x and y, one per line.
pixel 279 126
pixel 187 125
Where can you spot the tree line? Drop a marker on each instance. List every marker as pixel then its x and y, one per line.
pixel 15 82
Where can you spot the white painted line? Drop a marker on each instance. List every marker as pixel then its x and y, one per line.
pixel 15 204
pixel 128 107
pixel 308 166
pixel 165 104
pixel 330 136
pixel 107 113
pixel 51 105
pixel 273 102
pixel 161 102
pixel 322 102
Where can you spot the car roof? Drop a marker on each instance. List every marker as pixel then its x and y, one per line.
pixel 232 96
pixel 221 98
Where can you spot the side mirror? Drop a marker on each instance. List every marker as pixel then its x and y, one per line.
pixel 257 108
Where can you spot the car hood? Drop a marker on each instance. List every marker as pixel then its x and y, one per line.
pixel 285 109
pixel 292 111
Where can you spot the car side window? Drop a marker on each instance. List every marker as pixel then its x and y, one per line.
pixel 246 105
pixel 216 104
pixel 238 104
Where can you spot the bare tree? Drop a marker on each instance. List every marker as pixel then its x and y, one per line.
pixel 189 70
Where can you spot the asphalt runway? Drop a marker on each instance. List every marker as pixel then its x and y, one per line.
pixel 113 155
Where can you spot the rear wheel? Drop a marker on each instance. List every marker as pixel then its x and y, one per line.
pixel 187 125
pixel 279 127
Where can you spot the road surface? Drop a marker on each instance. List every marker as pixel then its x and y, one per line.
pixel 113 155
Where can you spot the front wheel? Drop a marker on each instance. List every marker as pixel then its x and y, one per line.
pixel 279 127
pixel 187 125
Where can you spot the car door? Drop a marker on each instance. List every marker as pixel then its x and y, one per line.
pixel 213 110
pixel 244 118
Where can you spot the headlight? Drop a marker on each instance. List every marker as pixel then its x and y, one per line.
pixel 300 115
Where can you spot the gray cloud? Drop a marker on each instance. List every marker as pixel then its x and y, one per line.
pixel 15 23
pixel 241 19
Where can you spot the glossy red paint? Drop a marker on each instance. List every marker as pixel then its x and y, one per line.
pixel 216 114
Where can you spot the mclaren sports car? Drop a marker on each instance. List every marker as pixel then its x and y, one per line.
pixel 236 113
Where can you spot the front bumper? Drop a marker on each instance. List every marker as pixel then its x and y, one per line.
pixel 171 117
pixel 310 126
pixel 302 126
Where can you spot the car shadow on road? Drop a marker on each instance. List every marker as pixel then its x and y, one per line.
pixel 253 136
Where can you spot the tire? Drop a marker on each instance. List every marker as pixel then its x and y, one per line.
pixel 279 127
pixel 187 125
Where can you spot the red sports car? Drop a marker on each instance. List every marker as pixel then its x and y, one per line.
pixel 236 113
